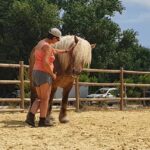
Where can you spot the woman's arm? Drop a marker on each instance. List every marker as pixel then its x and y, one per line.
pixel 46 64
pixel 71 47
pixel 58 51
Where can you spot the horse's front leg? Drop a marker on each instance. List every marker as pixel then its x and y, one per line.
pixel 49 117
pixel 63 111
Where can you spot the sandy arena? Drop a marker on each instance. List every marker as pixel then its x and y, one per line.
pixel 88 130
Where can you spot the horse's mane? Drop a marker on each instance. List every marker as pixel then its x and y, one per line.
pixel 81 52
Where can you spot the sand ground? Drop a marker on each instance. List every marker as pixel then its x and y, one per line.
pixel 88 130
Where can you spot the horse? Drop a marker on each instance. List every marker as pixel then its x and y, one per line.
pixel 67 66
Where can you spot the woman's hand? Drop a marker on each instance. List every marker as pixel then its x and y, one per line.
pixel 53 76
pixel 71 47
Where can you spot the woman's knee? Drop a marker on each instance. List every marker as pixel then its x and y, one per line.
pixel 44 100
pixel 45 97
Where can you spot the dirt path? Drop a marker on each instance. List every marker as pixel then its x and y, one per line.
pixel 92 130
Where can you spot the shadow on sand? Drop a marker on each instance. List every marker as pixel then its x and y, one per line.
pixel 12 124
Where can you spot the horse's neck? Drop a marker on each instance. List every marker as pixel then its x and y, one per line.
pixel 58 69
pixel 57 66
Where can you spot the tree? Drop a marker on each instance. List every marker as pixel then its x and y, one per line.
pixel 92 20
pixel 27 21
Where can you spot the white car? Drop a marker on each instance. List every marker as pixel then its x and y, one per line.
pixel 105 93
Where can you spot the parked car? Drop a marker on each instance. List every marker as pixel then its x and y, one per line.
pixel 106 93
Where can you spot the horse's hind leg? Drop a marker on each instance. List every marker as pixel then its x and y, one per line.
pixel 63 112
pixel 33 96
pixel 49 117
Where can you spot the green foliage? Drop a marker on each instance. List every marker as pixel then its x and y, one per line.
pixel 26 22
pixel 144 79
pixel 90 20
pixel 135 91
pixel 93 79
pixel 84 77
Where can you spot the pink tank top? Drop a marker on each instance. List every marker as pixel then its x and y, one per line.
pixel 39 56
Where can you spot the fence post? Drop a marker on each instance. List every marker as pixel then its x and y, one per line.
pixel 121 89
pixel 21 77
pixel 77 92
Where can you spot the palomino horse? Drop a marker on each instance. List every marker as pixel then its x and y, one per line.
pixel 66 66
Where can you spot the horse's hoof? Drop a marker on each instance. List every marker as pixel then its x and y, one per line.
pixel 64 119
pixel 50 121
pixel 52 118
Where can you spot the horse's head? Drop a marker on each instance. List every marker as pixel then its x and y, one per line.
pixel 75 68
pixel 79 57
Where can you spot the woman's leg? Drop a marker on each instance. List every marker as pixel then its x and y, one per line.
pixel 35 106
pixel 44 93
pixel 30 119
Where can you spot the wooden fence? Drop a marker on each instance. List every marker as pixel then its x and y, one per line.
pixel 21 82
pixel 120 99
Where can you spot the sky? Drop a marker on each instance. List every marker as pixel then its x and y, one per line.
pixel 136 16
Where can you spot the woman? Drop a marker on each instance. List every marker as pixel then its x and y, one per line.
pixel 42 75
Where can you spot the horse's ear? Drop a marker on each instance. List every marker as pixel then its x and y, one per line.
pixel 76 39
pixel 93 45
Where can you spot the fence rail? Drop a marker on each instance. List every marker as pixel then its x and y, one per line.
pixel 20 66
pixel 121 84
pixel 122 99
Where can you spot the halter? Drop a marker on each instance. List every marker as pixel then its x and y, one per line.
pixel 72 58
